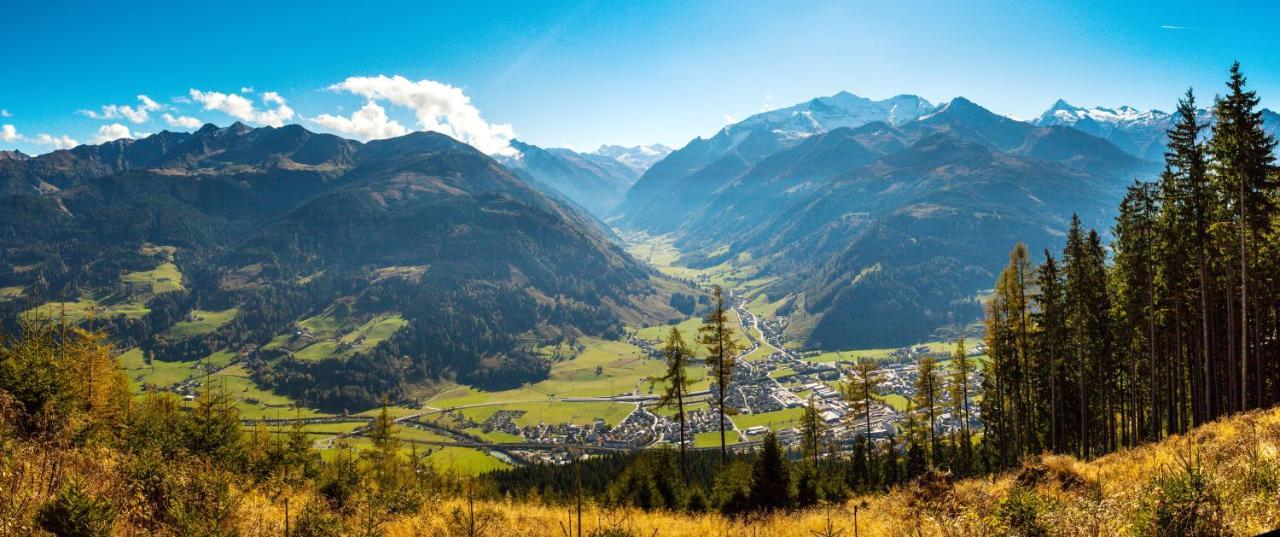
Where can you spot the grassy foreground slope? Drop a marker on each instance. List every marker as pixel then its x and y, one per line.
pixel 1220 479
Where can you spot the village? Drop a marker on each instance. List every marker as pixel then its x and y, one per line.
pixel 768 387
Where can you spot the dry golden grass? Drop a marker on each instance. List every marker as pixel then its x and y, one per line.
pixel 1112 495
pixel 1108 496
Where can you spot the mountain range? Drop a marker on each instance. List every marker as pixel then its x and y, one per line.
pixel 1140 133
pixel 871 223
pixel 595 182
pixel 877 221
pixel 312 241
pixel 639 158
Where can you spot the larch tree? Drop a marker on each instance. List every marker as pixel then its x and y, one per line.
pixel 716 335
pixel 861 390
pixel 961 368
pixel 676 386
pixel 812 431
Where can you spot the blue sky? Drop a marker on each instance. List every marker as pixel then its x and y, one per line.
pixel 579 74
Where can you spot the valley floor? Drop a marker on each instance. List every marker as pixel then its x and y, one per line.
pixel 598 392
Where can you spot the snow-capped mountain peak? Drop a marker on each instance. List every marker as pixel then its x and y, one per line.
pixel 823 114
pixel 638 158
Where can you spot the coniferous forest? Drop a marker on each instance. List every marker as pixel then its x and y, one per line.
pixel 1174 325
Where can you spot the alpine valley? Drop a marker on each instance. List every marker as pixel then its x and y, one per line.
pixel 355 271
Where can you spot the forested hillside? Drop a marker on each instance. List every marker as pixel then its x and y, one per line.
pixel 340 272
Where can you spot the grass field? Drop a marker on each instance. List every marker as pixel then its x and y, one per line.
pixel 159 373
pixel 761 305
pixel 81 309
pixel 897 402
pixel 375 330
pixel 465 460
pixel 938 347
pixel 317 351
pixel 712 438
pixel 776 420
pixel 162 279
pixel 333 337
pixel 688 407
pixel 556 412
pixel 604 368
pixel 221 358
pixel 202 322
pixel 323 325
pixel 497 437
pixel 689 331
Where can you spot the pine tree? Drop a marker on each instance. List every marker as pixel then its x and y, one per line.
pixel 716 334
pixel 676 386
pixel 770 478
pixel 928 401
pixel 1134 311
pixel 1050 344
pixel 1242 163
pixel 1187 208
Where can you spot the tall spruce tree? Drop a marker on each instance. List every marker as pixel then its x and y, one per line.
pixel 770 478
pixel 1242 163
pixel 1050 344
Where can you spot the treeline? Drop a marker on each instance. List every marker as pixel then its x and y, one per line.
pixel 1180 327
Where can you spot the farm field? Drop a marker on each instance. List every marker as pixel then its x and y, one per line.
pixel 776 420
pixel 202 322
pixel 936 347
pixel 333 335
pixel 82 308
pixel 712 439
pixel 162 279
pixel 602 368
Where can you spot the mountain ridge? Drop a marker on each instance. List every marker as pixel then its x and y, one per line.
pixel 284 224
pixel 872 231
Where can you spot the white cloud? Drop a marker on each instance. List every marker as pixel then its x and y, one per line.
pixel 370 122
pixel 272 97
pixel 438 107
pixel 240 107
pixel 4 112
pixel 185 122
pixel 56 142
pixel 9 133
pixel 246 89
pixel 136 114
pixel 114 131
